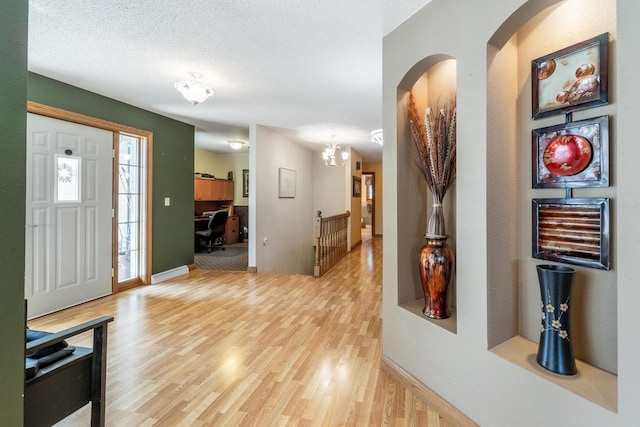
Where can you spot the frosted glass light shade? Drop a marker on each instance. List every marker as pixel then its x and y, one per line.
pixel 193 90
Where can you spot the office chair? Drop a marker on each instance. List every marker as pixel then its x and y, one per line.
pixel 213 235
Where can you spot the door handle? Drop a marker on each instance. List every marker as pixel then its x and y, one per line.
pixel 30 226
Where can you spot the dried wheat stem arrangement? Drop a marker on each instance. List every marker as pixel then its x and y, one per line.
pixel 434 151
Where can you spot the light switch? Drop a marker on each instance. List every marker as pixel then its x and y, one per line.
pixel 167 201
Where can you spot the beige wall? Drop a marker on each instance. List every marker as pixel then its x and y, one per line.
pixel 329 191
pixel 436 85
pixel 485 365
pixel 285 223
pixel 355 222
pixel 595 341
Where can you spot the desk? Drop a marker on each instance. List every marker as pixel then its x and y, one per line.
pixel 231 229
pixel 200 223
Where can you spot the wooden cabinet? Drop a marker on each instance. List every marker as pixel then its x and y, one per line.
pixel 212 189
pixel 232 230
pixel 216 190
pixel 202 189
pixel 227 190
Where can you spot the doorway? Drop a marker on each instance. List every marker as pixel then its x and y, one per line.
pixel 368 206
pixel 119 185
pixel 68 210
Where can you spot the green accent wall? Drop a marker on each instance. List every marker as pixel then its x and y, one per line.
pixel 13 92
pixel 173 152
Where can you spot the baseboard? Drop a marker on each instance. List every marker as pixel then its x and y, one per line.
pixel 446 410
pixel 252 269
pixel 169 274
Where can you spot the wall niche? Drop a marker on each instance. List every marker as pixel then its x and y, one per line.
pixel 432 81
pixel 513 295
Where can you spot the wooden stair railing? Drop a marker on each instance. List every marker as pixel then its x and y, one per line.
pixel 330 241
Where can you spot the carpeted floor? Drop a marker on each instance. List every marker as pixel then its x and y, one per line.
pixel 233 258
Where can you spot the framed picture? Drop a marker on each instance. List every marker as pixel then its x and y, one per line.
pixel 574 154
pixel 245 182
pixel 357 187
pixel 572 231
pixel 571 79
pixel 286 183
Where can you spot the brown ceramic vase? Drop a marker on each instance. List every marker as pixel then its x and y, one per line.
pixel 436 270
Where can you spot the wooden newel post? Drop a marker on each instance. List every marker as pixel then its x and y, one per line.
pixel 317 228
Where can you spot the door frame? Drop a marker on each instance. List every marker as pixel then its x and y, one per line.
pixel 116 128
pixel 373 203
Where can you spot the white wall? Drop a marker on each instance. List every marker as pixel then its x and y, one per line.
pixel 285 223
pixel 329 191
pixel 459 366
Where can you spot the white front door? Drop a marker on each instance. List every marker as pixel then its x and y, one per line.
pixel 68 236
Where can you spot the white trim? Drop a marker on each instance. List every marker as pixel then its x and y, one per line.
pixel 169 274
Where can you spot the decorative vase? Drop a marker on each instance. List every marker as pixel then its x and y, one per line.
pixel 436 270
pixel 555 351
pixel 434 153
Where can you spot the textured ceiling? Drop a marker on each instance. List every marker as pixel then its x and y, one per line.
pixel 308 68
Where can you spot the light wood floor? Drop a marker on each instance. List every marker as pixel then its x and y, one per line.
pixel 241 349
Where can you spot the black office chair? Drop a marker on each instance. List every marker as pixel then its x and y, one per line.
pixel 213 236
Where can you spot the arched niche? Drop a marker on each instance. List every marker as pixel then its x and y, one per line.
pixel 513 298
pixel 432 80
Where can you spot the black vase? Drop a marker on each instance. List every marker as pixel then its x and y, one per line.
pixel 555 351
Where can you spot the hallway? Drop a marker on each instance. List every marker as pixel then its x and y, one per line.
pixel 233 348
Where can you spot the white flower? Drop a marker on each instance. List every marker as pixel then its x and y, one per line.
pixel 556 324
pixel 542 315
pixel 550 308
pixel 563 334
pixel 564 307
pixel 541 328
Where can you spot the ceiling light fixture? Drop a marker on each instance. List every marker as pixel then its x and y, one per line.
pixel 329 154
pixel 193 90
pixel 376 136
pixel 235 144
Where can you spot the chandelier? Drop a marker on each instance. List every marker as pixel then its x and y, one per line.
pixel 376 136
pixel 193 90
pixel 334 155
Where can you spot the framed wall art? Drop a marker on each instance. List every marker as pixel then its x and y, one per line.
pixel 574 154
pixel 245 182
pixel 571 79
pixel 357 187
pixel 572 231
pixel 286 183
